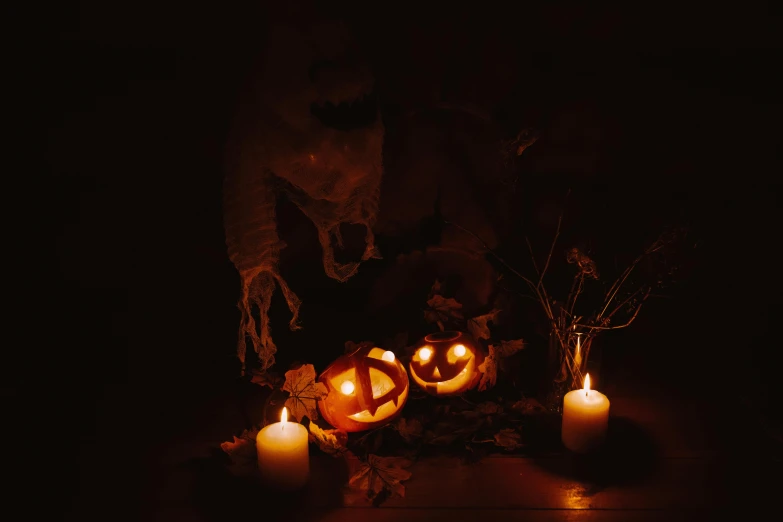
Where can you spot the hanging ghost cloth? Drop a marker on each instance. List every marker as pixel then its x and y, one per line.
pixel 293 135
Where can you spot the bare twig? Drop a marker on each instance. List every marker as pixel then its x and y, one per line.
pixel 551 248
pixel 625 301
pixel 520 294
pixel 579 287
pixel 658 244
pixel 500 259
pixel 635 313
pixel 532 256
pixel 619 283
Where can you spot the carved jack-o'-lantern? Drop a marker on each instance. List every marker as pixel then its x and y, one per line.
pixel 446 363
pixel 367 388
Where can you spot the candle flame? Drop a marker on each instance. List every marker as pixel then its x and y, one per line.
pixel 284 415
pixel 587 383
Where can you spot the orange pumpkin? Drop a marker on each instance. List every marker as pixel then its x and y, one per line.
pixel 446 363
pixel 367 388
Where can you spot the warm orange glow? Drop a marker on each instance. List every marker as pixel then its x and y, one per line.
pixel 367 388
pixel 587 383
pixel 347 387
pixel 446 363
pixel 284 415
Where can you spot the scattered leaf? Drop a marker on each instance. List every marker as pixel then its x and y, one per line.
pixel 242 450
pixel 508 439
pixel 443 439
pixel 461 427
pixel 509 348
pixel 374 441
pixel 331 442
pixel 528 406
pixel 443 310
pixel 409 429
pixel 489 408
pixel 477 326
pixel 489 368
pixel 483 410
pixel 304 392
pixel 265 378
pixel 381 475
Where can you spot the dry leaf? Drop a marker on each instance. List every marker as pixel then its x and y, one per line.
pixel 508 439
pixel 489 368
pixel 304 392
pixel 482 410
pixel 381 474
pixel 443 310
pixel 489 408
pixel 242 450
pixel 329 441
pixel 478 325
pixel 528 406
pixel 409 429
pixel 270 379
pixel 509 348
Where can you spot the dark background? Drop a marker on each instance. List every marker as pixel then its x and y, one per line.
pixel 137 105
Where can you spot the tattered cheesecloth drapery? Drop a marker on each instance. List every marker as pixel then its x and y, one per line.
pixel 280 145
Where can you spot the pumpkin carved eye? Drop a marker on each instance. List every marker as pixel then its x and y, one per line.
pixel 460 350
pixel 425 354
pixel 347 387
pixel 388 356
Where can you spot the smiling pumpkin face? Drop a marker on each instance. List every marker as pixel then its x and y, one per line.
pixel 446 363
pixel 367 388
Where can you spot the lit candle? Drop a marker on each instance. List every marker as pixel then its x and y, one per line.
pixel 283 456
pixel 585 419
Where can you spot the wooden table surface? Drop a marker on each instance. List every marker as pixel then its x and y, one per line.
pixel 671 458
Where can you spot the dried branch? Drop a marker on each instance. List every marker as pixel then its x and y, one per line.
pixel 573 296
pixel 500 259
pixel 532 257
pixel 552 247
pixel 658 244
pixel 635 313
pixel 619 283
pixel 626 301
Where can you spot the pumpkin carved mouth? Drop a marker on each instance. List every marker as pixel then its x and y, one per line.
pixel 385 410
pixel 441 387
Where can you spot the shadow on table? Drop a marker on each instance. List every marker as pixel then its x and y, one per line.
pixel 628 456
pixel 220 495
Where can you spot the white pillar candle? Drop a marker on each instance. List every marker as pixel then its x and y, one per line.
pixel 283 454
pixel 585 419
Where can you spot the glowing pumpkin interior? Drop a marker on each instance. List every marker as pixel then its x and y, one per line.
pixel 446 363
pixel 367 388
